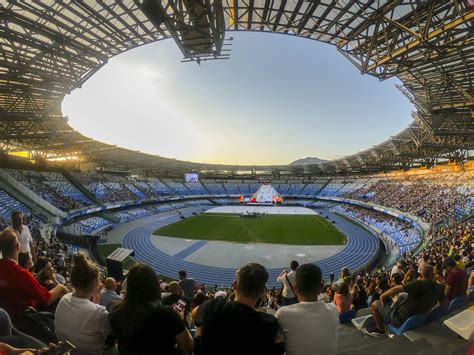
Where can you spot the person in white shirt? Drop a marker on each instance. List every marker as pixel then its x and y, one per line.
pixel 311 326
pixel 288 280
pixel 397 269
pixel 24 235
pixel 78 318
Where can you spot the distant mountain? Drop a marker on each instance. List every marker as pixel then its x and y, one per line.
pixel 308 161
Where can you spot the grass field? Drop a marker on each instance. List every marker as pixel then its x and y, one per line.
pixel 280 229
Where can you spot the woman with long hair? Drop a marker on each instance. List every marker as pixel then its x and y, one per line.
pixel 79 318
pixel 409 276
pixel 141 324
pixel 343 299
pixel 45 275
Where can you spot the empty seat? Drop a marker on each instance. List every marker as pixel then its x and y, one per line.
pixel 363 322
pixel 457 303
pixel 462 324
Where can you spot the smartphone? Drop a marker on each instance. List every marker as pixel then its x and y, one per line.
pixel 179 306
pixel 63 348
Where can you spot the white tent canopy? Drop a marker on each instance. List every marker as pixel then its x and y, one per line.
pixel 265 194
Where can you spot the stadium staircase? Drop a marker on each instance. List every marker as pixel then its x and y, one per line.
pixel 110 217
pixel 431 339
pixel 81 187
pixel 323 187
pixel 205 189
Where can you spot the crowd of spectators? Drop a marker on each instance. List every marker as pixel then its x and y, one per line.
pixel 87 226
pixel 402 234
pixel 92 225
pixel 81 306
pixel 53 187
pixel 441 194
pixel 144 211
pixel 431 198
pixel 95 313
pixel 111 191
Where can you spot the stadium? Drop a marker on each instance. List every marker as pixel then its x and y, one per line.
pixel 373 224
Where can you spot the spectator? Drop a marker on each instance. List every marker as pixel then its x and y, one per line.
pixel 109 296
pixel 44 274
pixel 471 280
pixel 174 294
pixel 25 261
pixel 456 280
pixel 425 259
pixel 288 280
pixel 60 275
pixel 409 276
pixel 343 298
pixel 459 264
pixel 198 301
pixel 438 276
pixel 236 327
pixel 382 285
pixel 187 285
pixel 422 296
pixel 141 324
pixel 311 326
pixel 345 276
pixel 359 294
pixel 465 258
pixel 24 235
pixel 395 280
pixel 79 318
pixel 18 287
pixel 397 268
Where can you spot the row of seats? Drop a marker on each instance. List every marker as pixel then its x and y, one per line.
pixel 405 236
pixel 53 187
pixel 9 204
pixel 87 226
pixel 441 200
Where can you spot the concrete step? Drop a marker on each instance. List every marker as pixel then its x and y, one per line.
pixel 369 345
pixel 408 348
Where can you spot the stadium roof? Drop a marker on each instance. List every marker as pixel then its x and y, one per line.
pixel 49 48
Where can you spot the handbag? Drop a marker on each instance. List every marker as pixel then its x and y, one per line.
pixel 37 324
pixel 291 286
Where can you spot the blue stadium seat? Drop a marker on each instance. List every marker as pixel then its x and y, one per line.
pixel 457 303
pixel 411 323
pixel 435 313
pixel 346 317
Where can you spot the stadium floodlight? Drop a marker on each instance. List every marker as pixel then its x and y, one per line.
pixel 197 26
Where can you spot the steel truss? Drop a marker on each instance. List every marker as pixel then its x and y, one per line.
pixel 48 48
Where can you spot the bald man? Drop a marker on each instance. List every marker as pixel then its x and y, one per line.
pixel 109 295
pixel 421 296
pixel 174 294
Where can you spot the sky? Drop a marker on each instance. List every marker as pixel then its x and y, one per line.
pixel 277 99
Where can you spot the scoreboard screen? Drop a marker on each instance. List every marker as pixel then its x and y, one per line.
pixel 191 177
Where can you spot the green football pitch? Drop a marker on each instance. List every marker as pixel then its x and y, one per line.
pixel 280 229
